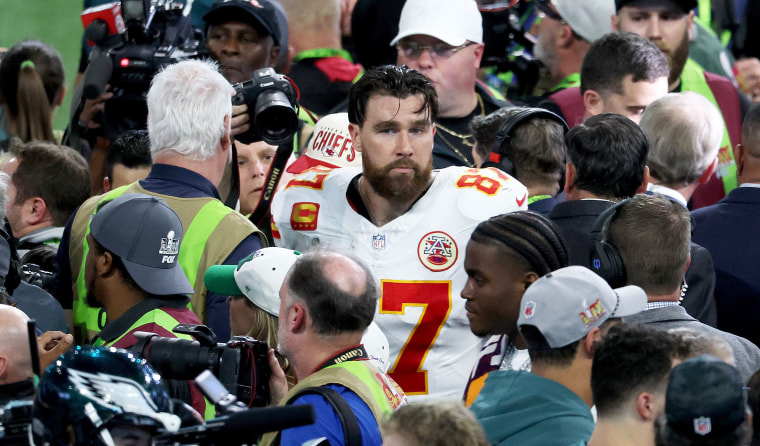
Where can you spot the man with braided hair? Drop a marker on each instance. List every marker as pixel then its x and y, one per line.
pixel 504 256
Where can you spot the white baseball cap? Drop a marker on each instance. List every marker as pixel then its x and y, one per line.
pixel 330 146
pixel 257 277
pixel 566 304
pixel 452 21
pixel 590 19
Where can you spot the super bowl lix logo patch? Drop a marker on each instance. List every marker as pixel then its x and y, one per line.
pixel 437 251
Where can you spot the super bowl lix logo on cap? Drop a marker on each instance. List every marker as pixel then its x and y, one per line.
pixel 593 312
pixel 437 251
pixel 169 248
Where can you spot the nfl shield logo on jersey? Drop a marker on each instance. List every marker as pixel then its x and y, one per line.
pixel 378 242
pixel 437 251
pixel 702 426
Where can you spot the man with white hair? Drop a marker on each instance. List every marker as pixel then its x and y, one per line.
pixel 189 110
pixel 444 41
pixel 683 153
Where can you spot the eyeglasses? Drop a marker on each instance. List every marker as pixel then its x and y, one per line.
pixel 413 50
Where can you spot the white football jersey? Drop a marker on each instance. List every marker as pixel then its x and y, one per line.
pixel 418 259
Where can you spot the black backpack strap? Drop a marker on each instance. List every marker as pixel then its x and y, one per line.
pixel 351 432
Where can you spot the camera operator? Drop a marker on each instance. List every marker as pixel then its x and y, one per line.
pixel 132 271
pixel 189 116
pixel 327 301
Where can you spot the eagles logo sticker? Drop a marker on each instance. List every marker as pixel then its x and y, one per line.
pixel 437 251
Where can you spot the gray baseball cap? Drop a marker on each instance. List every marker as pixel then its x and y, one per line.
pixel 566 304
pixel 144 232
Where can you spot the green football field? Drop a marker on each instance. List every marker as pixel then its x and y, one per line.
pixel 55 22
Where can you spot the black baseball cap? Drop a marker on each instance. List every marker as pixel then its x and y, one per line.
pixel 705 398
pixel 685 5
pixel 266 16
pixel 144 232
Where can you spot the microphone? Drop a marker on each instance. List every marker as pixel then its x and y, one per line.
pixel 103 21
pixel 98 74
pixel 243 426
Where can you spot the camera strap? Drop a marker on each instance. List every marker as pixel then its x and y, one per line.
pixel 351 432
pixel 261 214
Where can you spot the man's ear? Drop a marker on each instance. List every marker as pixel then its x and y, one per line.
pixel 478 52
pixel 37 210
pixel 646 406
pixel 642 189
pixel 592 102
pixel 3 364
pixel 591 341
pixel 226 140
pixel 739 154
pixel 565 37
pixel 104 264
pixel 615 22
pixel 569 178
pixel 353 130
pixel 690 20
pixel 528 279
pixel 274 55
pixel 298 318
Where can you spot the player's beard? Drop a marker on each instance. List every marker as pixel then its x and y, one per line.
pixel 397 187
pixel 676 57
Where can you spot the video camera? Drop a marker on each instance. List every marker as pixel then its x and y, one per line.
pixel 241 364
pixel 132 41
pixel 272 103
pixel 508 47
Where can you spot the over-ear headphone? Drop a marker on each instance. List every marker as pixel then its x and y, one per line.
pixel 501 160
pixel 605 258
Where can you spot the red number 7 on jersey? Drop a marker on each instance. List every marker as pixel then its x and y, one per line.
pixel 435 300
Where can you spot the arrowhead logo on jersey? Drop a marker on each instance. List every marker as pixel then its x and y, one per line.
pixel 378 242
pixel 304 216
pixel 437 251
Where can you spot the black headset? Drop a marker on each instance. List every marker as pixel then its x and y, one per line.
pixel 499 158
pixel 605 258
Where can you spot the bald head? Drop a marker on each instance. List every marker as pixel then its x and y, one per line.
pixel 15 357
pixel 339 291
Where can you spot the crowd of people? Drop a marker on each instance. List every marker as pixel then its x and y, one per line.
pixel 429 256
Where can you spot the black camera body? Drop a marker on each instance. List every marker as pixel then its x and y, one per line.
pixel 156 35
pixel 241 364
pixel 16 423
pixel 272 103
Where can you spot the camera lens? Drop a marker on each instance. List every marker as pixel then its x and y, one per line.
pixel 275 119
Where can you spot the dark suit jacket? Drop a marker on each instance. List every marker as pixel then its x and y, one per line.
pixel 746 354
pixel 729 230
pixel 575 220
pixel 543 207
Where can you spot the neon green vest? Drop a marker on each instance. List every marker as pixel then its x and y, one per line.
pixel 162 318
pixel 88 321
pixel 693 79
pixel 381 394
